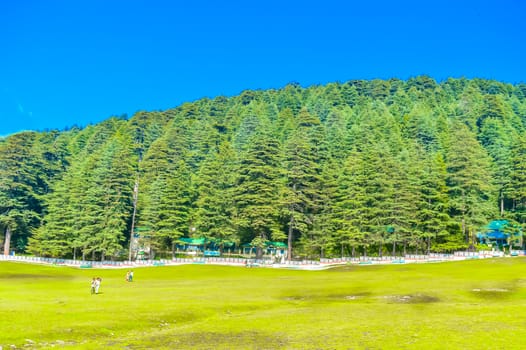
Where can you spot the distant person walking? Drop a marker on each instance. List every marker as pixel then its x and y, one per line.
pixel 130 278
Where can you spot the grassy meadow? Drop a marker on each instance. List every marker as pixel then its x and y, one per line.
pixel 478 304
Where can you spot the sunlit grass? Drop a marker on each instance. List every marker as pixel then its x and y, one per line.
pixel 461 305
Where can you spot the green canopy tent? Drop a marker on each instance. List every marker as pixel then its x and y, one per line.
pixel 192 245
pixel 500 233
pixel 271 248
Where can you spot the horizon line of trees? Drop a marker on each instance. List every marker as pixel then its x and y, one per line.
pixel 361 167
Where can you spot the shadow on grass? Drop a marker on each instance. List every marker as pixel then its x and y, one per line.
pixel 492 293
pixel 340 297
pixel 411 299
pixel 249 339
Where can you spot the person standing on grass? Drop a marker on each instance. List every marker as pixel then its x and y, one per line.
pixel 130 277
pixel 93 285
pixel 97 284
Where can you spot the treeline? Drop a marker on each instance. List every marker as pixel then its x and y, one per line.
pixel 375 167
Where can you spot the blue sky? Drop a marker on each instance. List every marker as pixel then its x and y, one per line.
pixel 65 63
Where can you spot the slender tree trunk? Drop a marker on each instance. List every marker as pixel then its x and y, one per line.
pixel 7 243
pixel 428 245
pixel 289 238
pixel 259 253
pixel 464 229
pixel 394 248
pixel 463 211
pixel 259 250
pixel 501 203
pixel 135 197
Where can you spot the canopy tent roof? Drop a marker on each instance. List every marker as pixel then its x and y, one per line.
pixel 192 241
pixel 493 235
pixel 499 230
pixel 203 241
pixel 497 225
pixel 269 244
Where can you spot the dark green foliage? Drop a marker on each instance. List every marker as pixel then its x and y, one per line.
pixel 360 167
pixel 215 212
pixel 257 190
pixel 470 182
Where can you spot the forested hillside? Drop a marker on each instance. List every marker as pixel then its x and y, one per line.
pixel 380 166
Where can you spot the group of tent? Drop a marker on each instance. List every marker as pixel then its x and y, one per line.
pixel 501 234
pixel 210 247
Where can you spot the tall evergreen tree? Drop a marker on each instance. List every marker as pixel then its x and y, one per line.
pixel 257 190
pixel 470 182
pixel 351 212
pixel 215 210
pixel 20 206
pixel 433 209
pixel 497 141
pixel 518 179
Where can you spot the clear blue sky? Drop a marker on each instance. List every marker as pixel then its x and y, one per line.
pixel 67 62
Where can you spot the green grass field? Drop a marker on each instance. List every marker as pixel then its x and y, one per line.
pixel 461 305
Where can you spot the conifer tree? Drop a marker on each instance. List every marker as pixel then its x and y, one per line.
pixel 351 212
pixel 469 181
pixel 20 207
pixel 518 179
pixel 215 210
pixel 496 140
pixel 257 190
pixel 433 209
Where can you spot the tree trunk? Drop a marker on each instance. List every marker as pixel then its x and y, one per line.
pixel 7 243
pixel 259 253
pixel 394 249
pixel 428 245
pixel 464 230
pixel 135 197
pixel 289 238
pixel 501 203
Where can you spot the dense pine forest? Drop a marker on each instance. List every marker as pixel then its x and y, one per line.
pixel 361 167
